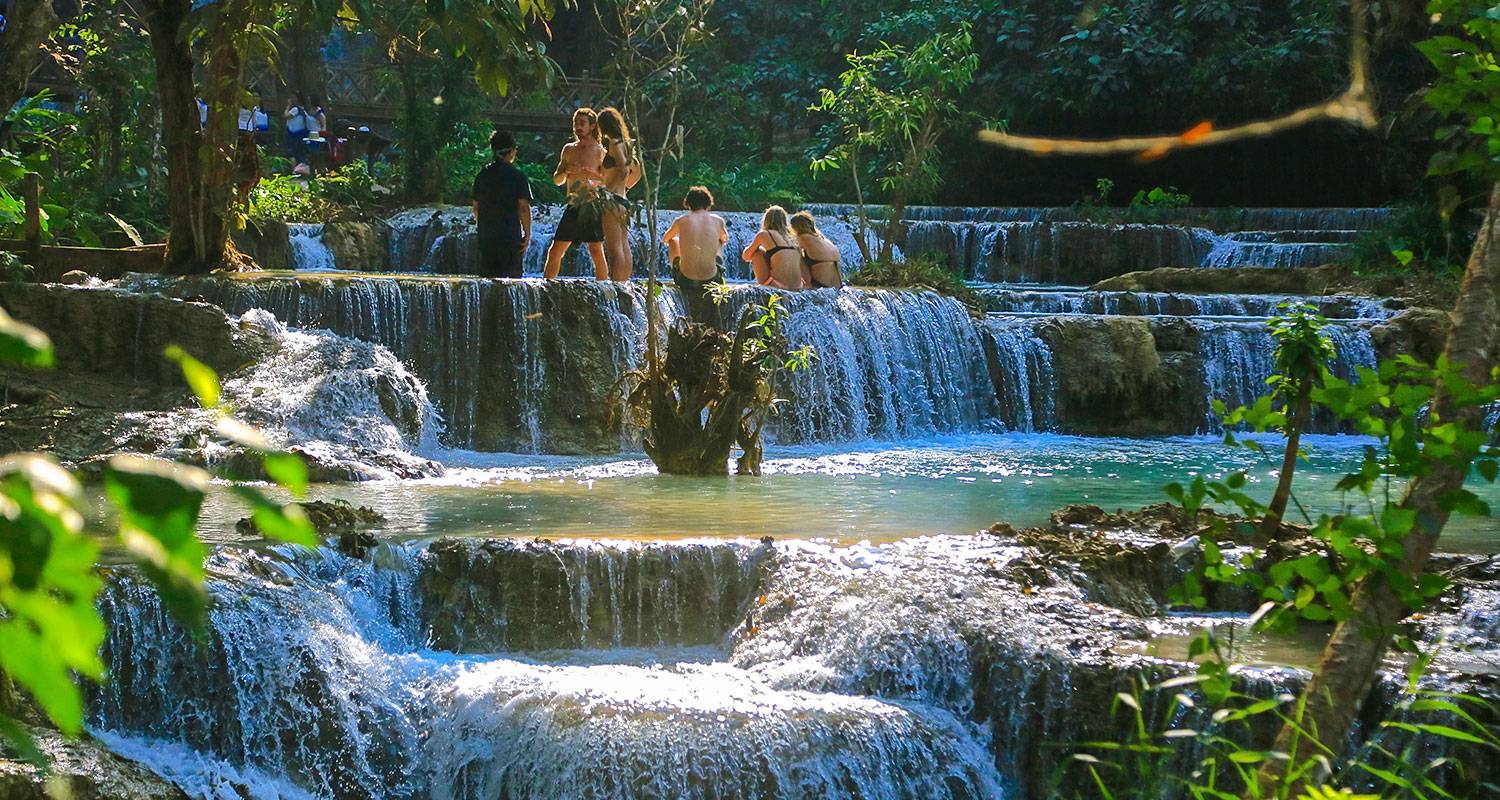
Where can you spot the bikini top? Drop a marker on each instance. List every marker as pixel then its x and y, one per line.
pixel 772 251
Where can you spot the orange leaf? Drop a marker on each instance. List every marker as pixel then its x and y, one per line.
pixel 1153 153
pixel 1197 132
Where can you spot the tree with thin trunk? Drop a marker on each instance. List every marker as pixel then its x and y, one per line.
pixel 894 105
pixel 1302 355
pixel 28 25
pixel 216 40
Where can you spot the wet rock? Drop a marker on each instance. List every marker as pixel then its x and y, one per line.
pixel 1418 332
pixel 359 246
pixel 267 241
pixel 1239 280
pixel 492 595
pixel 105 332
pixel 84 769
pixel 75 277
pixel 336 518
pixel 1108 375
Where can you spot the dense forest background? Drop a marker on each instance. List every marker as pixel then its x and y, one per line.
pixel 1047 68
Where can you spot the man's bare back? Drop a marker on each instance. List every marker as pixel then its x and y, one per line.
pixel 694 242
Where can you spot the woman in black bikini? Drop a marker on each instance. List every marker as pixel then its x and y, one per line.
pixel 773 254
pixel 820 257
pixel 621 171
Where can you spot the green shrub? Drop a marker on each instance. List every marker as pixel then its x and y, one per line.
pixel 543 190
pixel 742 187
pixel 290 199
pixel 922 272
pixel 1415 240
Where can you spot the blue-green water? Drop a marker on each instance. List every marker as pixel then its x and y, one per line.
pixel 875 492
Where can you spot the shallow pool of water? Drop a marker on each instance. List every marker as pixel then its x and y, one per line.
pixel 848 493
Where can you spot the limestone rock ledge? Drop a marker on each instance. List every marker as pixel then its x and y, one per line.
pixel 85 769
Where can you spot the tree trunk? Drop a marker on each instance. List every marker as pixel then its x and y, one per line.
pixel 200 160
pixel 28 24
pixel 1300 414
pixel 1346 671
pixel 863 240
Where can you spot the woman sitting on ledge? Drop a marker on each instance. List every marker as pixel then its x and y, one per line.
pixel 773 254
pixel 820 257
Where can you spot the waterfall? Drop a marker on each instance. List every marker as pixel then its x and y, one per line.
pixel 1018 300
pixel 325 676
pixel 889 365
pixel 1239 360
pixel 309 254
pixel 1236 250
pixel 1021 368
pixel 516 366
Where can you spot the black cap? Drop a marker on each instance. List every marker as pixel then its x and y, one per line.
pixel 502 141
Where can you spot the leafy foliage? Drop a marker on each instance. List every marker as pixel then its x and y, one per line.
pixel 1467 93
pixel 891 108
pixel 49 627
pixel 919 273
pixel 1204 721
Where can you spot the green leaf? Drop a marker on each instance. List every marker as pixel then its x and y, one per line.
pixel 23 345
pixel 287 523
pixel 200 377
pixel 288 470
pixel 158 504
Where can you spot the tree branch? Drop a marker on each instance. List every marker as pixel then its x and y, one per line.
pixel 1353 106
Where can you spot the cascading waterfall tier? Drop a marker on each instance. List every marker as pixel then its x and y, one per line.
pixel 324 676
pixel 520 366
pixel 1063 245
pixel 309 253
pixel 888 364
pixel 1022 300
pixel 914 669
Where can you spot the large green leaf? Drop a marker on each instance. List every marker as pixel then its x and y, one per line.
pixel 24 345
pixel 47 588
pixel 200 377
pixel 158 504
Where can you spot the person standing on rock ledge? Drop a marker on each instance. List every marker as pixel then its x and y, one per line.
pixel 502 211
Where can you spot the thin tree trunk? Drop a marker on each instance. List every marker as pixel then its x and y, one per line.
pixel 1301 412
pixel 28 24
pixel 863 240
pixel 1347 669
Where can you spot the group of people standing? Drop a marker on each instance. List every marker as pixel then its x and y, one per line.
pixel 599 167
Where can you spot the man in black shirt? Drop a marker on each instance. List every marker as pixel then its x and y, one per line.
pixel 502 209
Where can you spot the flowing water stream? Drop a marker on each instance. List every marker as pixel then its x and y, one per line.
pixel 546 616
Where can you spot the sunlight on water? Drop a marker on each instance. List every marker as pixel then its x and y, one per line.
pixel 878 492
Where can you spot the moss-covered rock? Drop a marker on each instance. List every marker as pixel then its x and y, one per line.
pixel 360 246
pixel 1240 280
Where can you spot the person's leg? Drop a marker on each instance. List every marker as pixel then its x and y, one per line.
pixel 510 264
pixel 555 253
pixel 760 266
pixel 617 246
pixel 601 266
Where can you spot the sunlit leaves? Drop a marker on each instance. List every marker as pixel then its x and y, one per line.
pixel 158 504
pixel 47 587
pixel 22 344
pixel 199 376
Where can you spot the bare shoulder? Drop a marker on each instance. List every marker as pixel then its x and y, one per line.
pixel 719 220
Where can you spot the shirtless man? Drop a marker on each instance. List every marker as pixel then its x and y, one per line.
pixel 580 164
pixel 695 244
